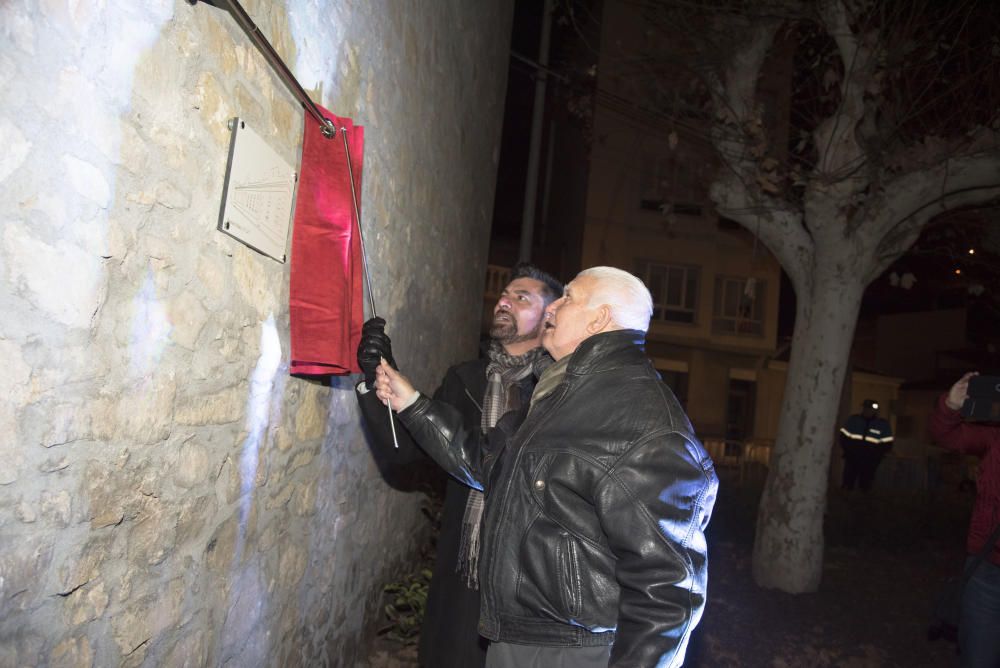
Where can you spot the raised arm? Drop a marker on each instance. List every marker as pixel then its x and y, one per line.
pixel 950 431
pixel 436 426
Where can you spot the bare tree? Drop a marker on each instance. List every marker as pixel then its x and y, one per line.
pixel 892 120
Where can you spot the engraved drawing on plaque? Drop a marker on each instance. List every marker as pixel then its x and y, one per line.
pixel 258 195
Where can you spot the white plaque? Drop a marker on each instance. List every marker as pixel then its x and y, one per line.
pixel 260 188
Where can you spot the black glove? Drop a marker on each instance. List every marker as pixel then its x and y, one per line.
pixel 374 345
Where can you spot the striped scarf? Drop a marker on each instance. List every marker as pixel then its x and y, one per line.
pixel 503 373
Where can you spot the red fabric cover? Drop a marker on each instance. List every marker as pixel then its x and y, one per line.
pixel 325 299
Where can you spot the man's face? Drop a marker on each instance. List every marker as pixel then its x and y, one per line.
pixel 567 318
pixel 517 317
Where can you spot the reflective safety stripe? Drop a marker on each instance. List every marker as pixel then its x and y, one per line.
pixel 867 439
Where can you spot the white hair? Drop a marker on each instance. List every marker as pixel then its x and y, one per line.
pixel 630 301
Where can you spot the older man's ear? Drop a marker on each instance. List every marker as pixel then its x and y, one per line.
pixel 602 321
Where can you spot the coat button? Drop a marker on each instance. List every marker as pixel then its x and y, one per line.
pixel 539 485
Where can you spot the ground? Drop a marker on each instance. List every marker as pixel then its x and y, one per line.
pixel 887 554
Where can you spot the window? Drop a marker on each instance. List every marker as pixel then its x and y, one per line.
pixel 740 407
pixel 739 306
pixel 674 288
pixel 673 183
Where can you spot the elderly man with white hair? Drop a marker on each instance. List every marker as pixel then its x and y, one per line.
pixel 597 493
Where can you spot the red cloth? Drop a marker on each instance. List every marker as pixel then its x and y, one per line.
pixel 325 300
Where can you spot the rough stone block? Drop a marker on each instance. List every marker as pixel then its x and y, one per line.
pixel 220 552
pixel 310 418
pixel 193 518
pixel 23 563
pixel 188 317
pixel 222 407
pixel 83 567
pixel 62 280
pixel 304 500
pixel 56 507
pixel 192 465
pixel 189 650
pixel 85 604
pixel 151 536
pixel 87 180
pixel 16 148
pixel 72 653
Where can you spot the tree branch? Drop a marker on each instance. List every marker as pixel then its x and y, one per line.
pixel 835 138
pixel 738 131
pixel 777 226
pixel 911 200
pixel 740 141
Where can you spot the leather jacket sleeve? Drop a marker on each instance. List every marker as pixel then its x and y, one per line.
pixel 654 506
pixel 438 428
pixel 376 419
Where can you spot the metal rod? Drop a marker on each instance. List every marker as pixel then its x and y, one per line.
pixel 364 255
pixel 357 216
pixel 274 60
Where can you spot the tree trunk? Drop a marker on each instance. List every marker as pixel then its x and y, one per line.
pixel 788 550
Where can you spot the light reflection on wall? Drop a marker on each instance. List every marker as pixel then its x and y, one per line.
pixel 258 416
pixel 150 329
pixel 244 642
pixel 321 28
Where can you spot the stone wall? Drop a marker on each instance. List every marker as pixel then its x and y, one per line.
pixel 168 494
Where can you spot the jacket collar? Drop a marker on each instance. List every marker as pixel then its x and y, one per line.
pixel 608 350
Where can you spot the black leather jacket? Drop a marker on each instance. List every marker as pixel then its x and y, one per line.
pixel 596 506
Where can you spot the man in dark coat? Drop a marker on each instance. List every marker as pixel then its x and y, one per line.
pixel 865 439
pixel 597 491
pixel 481 391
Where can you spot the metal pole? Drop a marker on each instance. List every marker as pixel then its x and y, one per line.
pixel 364 256
pixel 357 216
pixel 535 145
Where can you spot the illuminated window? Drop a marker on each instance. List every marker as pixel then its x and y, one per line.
pixel 739 306
pixel 674 288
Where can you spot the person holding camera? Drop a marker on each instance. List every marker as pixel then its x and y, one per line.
pixel 978 636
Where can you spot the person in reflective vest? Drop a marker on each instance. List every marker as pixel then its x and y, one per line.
pixel 865 438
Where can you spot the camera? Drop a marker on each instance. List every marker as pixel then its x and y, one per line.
pixel 983 400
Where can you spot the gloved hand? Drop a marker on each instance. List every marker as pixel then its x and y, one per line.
pixel 374 345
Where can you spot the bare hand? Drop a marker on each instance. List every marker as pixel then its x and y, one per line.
pixel 959 391
pixel 392 387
